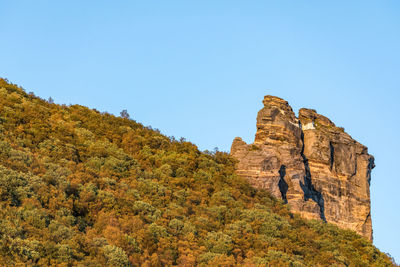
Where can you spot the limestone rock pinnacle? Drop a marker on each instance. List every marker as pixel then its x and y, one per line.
pixel 308 162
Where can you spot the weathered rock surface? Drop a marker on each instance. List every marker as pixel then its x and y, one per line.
pixel 314 166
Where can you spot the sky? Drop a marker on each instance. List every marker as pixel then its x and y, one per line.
pixel 200 69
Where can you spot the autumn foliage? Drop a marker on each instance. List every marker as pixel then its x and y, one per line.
pixel 84 188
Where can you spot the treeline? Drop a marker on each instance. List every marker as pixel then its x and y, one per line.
pixel 84 188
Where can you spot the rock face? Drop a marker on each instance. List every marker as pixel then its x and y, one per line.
pixel 309 163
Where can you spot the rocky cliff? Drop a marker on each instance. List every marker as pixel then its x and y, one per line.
pixel 311 164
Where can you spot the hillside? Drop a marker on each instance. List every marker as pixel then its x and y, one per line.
pixel 84 188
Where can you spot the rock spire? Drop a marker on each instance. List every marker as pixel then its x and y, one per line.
pixel 309 163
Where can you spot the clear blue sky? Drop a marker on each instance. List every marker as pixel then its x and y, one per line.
pixel 199 69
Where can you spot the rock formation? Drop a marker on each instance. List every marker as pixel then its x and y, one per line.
pixel 309 163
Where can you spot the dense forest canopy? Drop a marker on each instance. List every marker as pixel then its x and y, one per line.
pixel 84 188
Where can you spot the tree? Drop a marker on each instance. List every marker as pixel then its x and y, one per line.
pixel 124 114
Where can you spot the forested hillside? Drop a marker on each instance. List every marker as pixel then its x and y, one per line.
pixel 83 188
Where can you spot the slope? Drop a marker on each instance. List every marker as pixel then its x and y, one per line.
pixel 84 188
